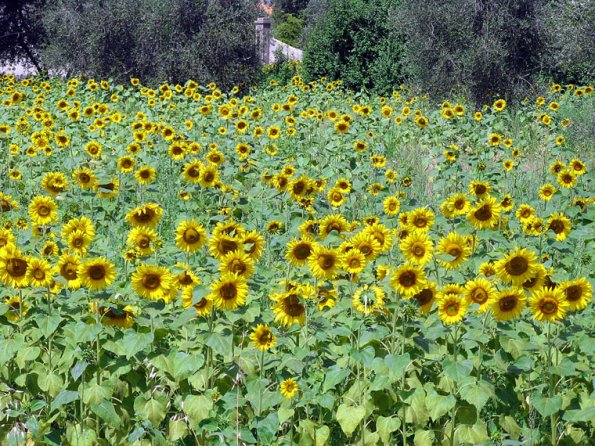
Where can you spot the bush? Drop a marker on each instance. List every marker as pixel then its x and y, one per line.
pixel 491 47
pixel 353 41
pixel 157 41
pixel 288 29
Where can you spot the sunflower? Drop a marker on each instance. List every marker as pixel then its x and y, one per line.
pixel 421 219
pixel 289 388
pixel 506 203
pixel 229 291
pixel 203 306
pixel 577 293
pixel 342 126
pixel 458 204
pixel 190 236
pixel 222 244
pixel 84 178
pixel 145 175
pixel 365 243
pixel 6 237
pixel 192 171
pixel 381 234
pixel 559 224
pixel 253 244
pixel 13 267
pixel 17 309
pixel 210 176
pixel 333 222
pixel 517 267
pixel 480 189
pixel 298 251
pixel 368 300
pixel 93 148
pixel 78 241
pixel 485 214
pixel 324 263
pixel 54 183
pixel 97 273
pixel 487 269
pixel 480 291
pixel 262 337
pixel 289 309
pixel 537 281
pixel 426 297
pixel 118 317
pixel 143 239
pixel 126 164
pixel 40 273
pixel 499 105
pixel 408 279
pixel 238 263
pixel 495 139
pixel 146 215
pixel 354 261
pixel 548 304
pixel 577 167
pixel 67 267
pixel 566 179
pixel 452 308
pixel 417 247
pixel 508 304
pixel 43 211
pixel 83 224
pixel 392 206
pixel 108 189
pixel 454 249
pixel 152 282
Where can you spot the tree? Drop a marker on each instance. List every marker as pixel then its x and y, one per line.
pixel 21 32
pixel 353 40
pixel 154 40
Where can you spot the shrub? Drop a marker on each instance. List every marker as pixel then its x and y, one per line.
pixel 353 41
pixel 157 41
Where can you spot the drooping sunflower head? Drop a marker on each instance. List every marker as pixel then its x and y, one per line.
pixel 426 298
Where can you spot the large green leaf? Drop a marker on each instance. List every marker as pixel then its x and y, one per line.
pixel 349 417
pixel 197 407
pixel 547 406
pixel 105 410
pixel 63 398
pixel 385 426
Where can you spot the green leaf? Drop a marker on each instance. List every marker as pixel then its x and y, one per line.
pixel 134 342
pixel 154 410
pixel 78 369
pixel 197 407
pixel 477 393
pixel 177 430
pixel 474 434
pixel 285 413
pixel 64 397
pixel 439 405
pixel 322 435
pixel 48 324
pixel 510 426
pixel 385 426
pixel 219 344
pixel 457 371
pixel 396 365
pixel 349 417
pixel 334 376
pixel 95 393
pixel 547 406
pixel 183 318
pixel 8 348
pixel 586 415
pixel 28 353
pixel 424 438
pixel 105 410
pixel 50 383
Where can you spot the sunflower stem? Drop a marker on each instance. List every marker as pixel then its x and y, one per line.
pixel 554 416
pixel 260 387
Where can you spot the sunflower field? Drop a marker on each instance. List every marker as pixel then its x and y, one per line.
pixel 302 266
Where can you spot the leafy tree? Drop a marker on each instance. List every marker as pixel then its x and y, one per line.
pixel 353 40
pixel 490 47
pixel 21 32
pixel 155 40
pixel 294 7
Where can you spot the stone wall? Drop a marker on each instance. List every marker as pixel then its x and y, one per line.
pixel 268 47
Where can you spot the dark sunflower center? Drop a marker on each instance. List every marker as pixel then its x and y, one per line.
pixel 43 211
pixel 327 262
pixel 420 222
pixel 507 303
pixel 144 216
pixel 227 246
pixel 292 306
pixel 479 296
pixel 419 250
pixel 68 271
pixel 424 296
pixel 237 266
pixel 302 252
pixel 480 189
pixel 517 266
pixel 548 306
pixel 407 279
pixel 557 226
pixel 194 172
pixel 298 188
pixel 573 293
pixel 145 174
pixel 151 281
pixel 452 309
pixel 459 204
pixel 144 242
pixel 455 251
pixel 484 213
pixel 38 274
pixel 16 267
pixel 191 236
pixel 97 272
pixel 209 177
pixel 228 291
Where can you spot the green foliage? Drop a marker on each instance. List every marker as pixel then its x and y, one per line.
pixel 353 41
pixel 489 47
pixel 170 41
pixel 21 32
pixel 289 29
